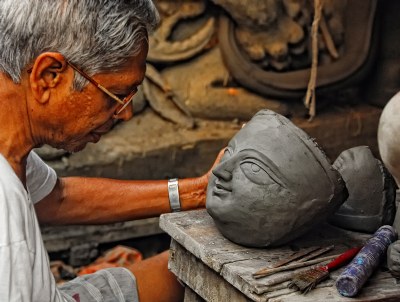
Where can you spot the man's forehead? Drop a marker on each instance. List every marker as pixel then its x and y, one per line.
pixel 130 75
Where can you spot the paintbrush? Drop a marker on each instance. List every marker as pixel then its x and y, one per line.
pixel 306 281
pixel 305 255
pixel 270 271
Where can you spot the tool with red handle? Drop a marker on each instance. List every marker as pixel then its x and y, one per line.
pixel 306 281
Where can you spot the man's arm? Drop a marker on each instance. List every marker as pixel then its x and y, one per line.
pixel 82 200
pixel 79 200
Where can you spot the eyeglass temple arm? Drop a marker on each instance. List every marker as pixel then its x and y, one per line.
pixel 90 79
pixel 125 105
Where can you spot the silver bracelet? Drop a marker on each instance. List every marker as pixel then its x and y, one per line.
pixel 173 193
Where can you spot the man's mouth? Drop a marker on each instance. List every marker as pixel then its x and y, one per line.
pixel 103 129
pixel 95 136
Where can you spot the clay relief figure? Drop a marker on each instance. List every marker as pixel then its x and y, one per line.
pixel 275 33
pixel 274 184
pixel 171 43
pixel 271 41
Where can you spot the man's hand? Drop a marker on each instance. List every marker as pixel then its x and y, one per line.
pixel 206 176
pixel 393 258
pixel 203 180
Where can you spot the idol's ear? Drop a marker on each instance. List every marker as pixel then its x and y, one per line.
pixel 47 73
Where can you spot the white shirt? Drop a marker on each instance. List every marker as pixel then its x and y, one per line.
pixel 25 274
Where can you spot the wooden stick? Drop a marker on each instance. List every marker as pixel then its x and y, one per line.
pixel 317 253
pixel 269 271
pixel 271 283
pixel 309 100
pixel 330 45
pixel 296 256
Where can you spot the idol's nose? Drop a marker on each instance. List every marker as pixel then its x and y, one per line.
pixel 224 170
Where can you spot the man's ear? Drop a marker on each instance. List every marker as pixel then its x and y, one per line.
pixel 47 72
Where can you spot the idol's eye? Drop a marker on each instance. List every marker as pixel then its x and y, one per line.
pixel 256 172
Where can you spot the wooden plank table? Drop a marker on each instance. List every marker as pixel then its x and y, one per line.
pixel 215 269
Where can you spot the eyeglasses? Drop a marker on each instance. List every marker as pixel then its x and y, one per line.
pixel 123 103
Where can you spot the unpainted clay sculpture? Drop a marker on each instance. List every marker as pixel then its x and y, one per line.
pixel 274 184
pixel 372 191
pixel 389 149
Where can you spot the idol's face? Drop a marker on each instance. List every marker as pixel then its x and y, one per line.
pixel 269 185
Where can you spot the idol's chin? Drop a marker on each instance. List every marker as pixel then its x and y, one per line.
pixel 217 206
pixel 209 199
pixel 214 199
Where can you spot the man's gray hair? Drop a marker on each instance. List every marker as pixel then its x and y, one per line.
pixel 96 35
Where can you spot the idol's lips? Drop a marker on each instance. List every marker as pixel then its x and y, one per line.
pixel 219 188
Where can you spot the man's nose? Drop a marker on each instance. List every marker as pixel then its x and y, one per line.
pixel 126 114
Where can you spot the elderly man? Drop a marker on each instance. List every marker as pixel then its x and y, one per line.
pixel 68 71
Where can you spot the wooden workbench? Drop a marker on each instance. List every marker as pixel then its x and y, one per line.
pixel 215 269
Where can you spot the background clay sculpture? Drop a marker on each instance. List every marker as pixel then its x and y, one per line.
pixel 389 148
pixel 274 184
pixel 366 209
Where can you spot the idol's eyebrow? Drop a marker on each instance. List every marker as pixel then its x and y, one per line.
pixel 270 165
pixel 232 144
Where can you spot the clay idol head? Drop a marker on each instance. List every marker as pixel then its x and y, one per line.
pixel 272 184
